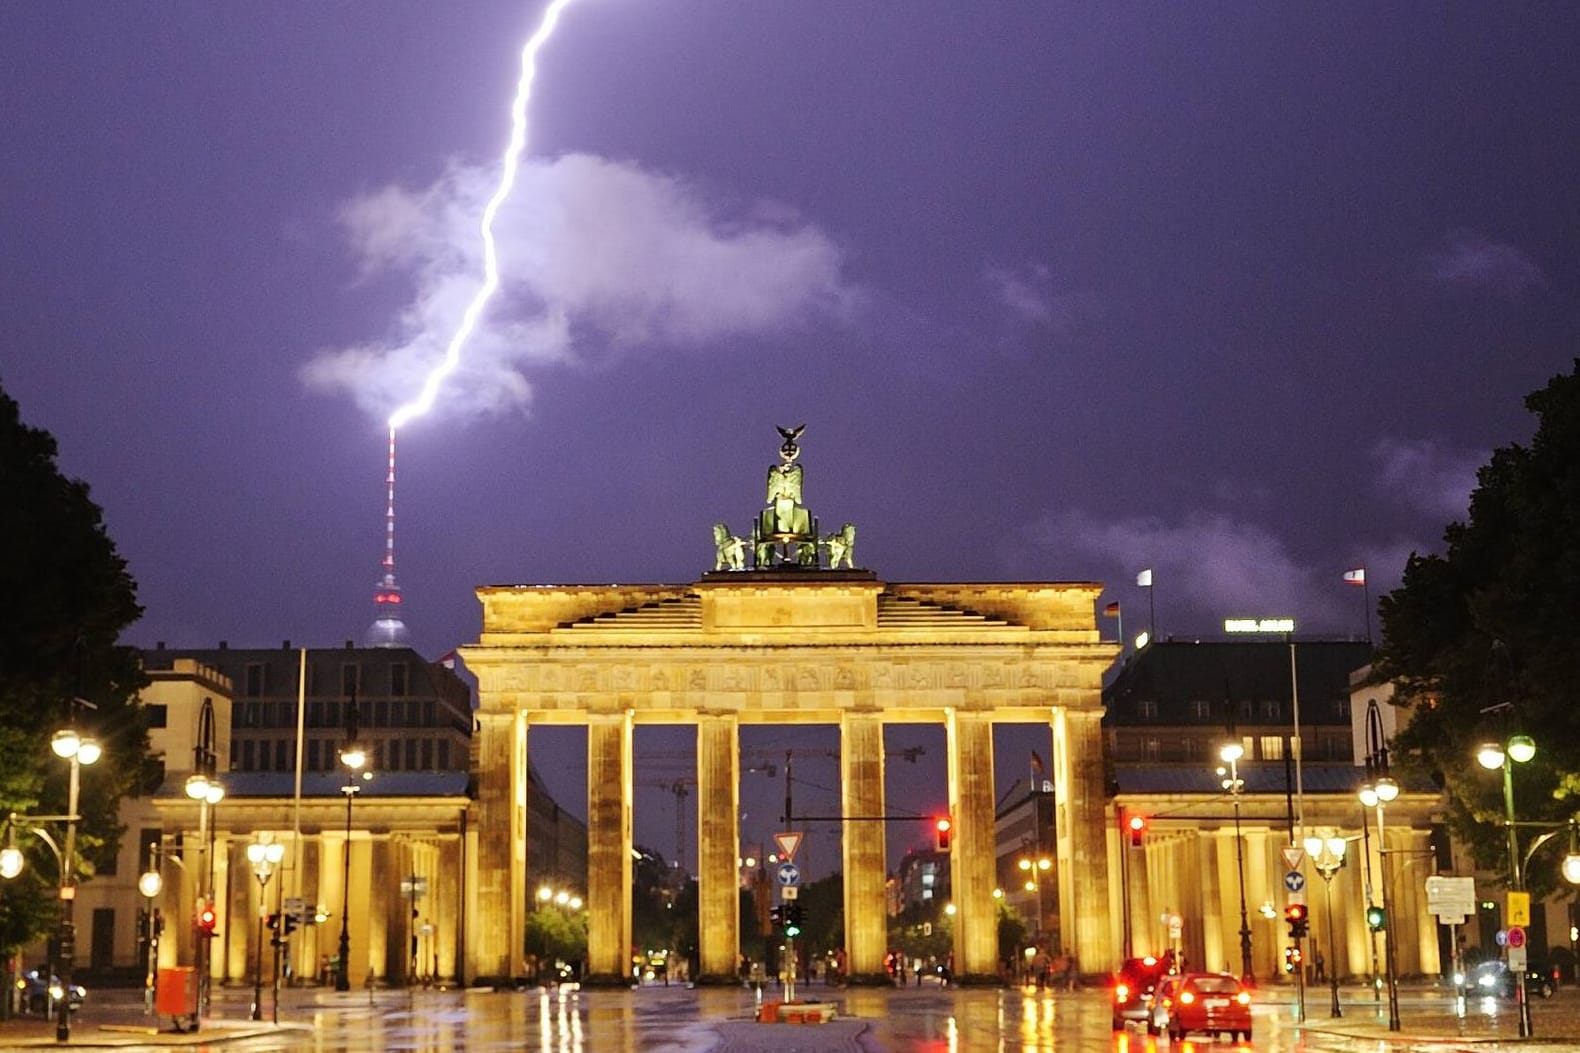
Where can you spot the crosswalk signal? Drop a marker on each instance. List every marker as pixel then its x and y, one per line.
pixel 1298 919
pixel 1137 825
pixel 207 918
pixel 942 829
pixel 792 919
pixel 1376 919
pixel 1292 959
pixel 776 917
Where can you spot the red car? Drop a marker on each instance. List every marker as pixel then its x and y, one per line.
pixel 1209 1002
pixel 1133 986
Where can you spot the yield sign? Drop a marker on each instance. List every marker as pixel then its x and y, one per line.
pixel 1293 857
pixel 788 843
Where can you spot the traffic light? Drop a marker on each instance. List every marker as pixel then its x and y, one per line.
pixel 776 917
pixel 941 831
pixel 792 919
pixel 1137 825
pixel 292 920
pixel 1299 920
pixel 1376 918
pixel 273 924
pixel 207 917
pixel 1292 959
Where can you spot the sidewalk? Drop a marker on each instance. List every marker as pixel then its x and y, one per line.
pixel 111 1029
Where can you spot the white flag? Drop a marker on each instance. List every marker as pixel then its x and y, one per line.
pixel 1144 579
pixel 1356 576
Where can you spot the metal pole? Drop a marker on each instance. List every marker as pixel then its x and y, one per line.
pixel 1333 945
pixel 1124 885
pixel 1520 999
pixel 1366 857
pixel 68 898
pixel 1247 973
pixel 342 974
pixel 1389 943
pixel 257 956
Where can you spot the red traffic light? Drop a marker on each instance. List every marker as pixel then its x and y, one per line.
pixel 1295 912
pixel 1137 825
pixel 206 919
pixel 942 829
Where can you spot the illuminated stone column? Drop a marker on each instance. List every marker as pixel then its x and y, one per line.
pixel 718 848
pixel 609 850
pixel 866 914
pixel 1082 825
pixel 495 928
pixel 973 846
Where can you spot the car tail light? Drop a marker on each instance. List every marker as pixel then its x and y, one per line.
pixel 1244 998
pixel 1186 998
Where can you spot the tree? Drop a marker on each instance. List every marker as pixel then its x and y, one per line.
pixel 68 596
pixel 1479 641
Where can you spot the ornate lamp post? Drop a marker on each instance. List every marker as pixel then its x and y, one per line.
pixel 204 787
pixel 1494 756
pixel 150 883
pixel 1327 855
pixel 79 750
pixel 264 857
pixel 1230 754
pixel 354 757
pixel 1376 792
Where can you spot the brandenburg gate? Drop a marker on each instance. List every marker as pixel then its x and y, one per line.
pixel 790 639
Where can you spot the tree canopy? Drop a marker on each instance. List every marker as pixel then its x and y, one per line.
pixel 1480 642
pixel 68 596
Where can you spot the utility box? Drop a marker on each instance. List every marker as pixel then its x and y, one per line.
pixel 175 994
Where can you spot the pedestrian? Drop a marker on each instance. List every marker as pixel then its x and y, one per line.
pixel 1322 971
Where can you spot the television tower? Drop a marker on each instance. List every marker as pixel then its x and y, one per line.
pixel 388 628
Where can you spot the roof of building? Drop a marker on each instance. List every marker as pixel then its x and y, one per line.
pixel 328 784
pixel 1173 671
pixel 1268 777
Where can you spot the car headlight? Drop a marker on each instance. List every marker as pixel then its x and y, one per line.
pixel 56 991
pixel 1487 980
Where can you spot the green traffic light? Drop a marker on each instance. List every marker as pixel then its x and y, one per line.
pixel 1376 919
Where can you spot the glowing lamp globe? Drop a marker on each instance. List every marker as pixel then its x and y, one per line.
pixel 1521 748
pixel 1490 756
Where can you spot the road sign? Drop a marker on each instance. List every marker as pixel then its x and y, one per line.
pixel 1450 896
pixel 1294 881
pixel 788 843
pixel 1451 919
pixel 1516 937
pixel 790 892
pixel 1293 896
pixel 1293 857
pixel 1517 960
pixel 1176 926
pixel 1501 938
pixel 1519 912
pixel 294 905
pixel 789 874
pixel 413 886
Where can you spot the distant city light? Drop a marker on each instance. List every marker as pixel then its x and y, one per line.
pixel 1259 625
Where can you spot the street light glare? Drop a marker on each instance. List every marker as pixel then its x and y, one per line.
pixel 10 862
pixel 149 883
pixel 1571 868
pixel 1521 748
pixel 1387 789
pixel 65 742
pixel 1368 795
pixel 1490 756
pixel 1231 752
pixel 89 750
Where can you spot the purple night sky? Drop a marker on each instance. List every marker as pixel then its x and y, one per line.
pixel 1243 294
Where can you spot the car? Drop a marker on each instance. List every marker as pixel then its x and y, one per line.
pixel 1133 987
pixel 1204 1002
pixel 41 997
pixel 1496 978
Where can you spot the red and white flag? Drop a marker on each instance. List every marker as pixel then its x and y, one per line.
pixel 1356 576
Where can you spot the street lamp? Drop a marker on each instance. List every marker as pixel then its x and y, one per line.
pixel 1494 756
pixel 1376 792
pixel 1327 855
pixel 79 750
pixel 354 757
pixel 150 883
pixel 1230 753
pixel 1036 870
pixel 264 857
pixel 204 787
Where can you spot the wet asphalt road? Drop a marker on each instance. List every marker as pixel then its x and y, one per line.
pixel 679 1020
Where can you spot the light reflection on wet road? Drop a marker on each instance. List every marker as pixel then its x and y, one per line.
pixel 718 1020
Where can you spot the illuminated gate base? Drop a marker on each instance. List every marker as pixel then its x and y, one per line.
pixel 787 646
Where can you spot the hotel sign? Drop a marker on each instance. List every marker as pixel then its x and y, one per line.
pixel 1259 625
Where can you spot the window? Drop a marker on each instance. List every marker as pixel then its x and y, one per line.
pixel 411 754
pixel 1147 709
pixel 1272 747
pixel 398 679
pixel 255 680
pixel 157 715
pixel 381 715
pixel 1152 749
pixel 280 763
pixel 350 679
pixel 1246 711
pixel 1201 709
pixel 444 754
pixel 263 757
pixel 427 754
pixel 246 755
pixel 1271 710
pixel 428 719
pixel 1341 709
pixel 1195 749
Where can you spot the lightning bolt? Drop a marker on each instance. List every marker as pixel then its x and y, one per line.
pixel 507 181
